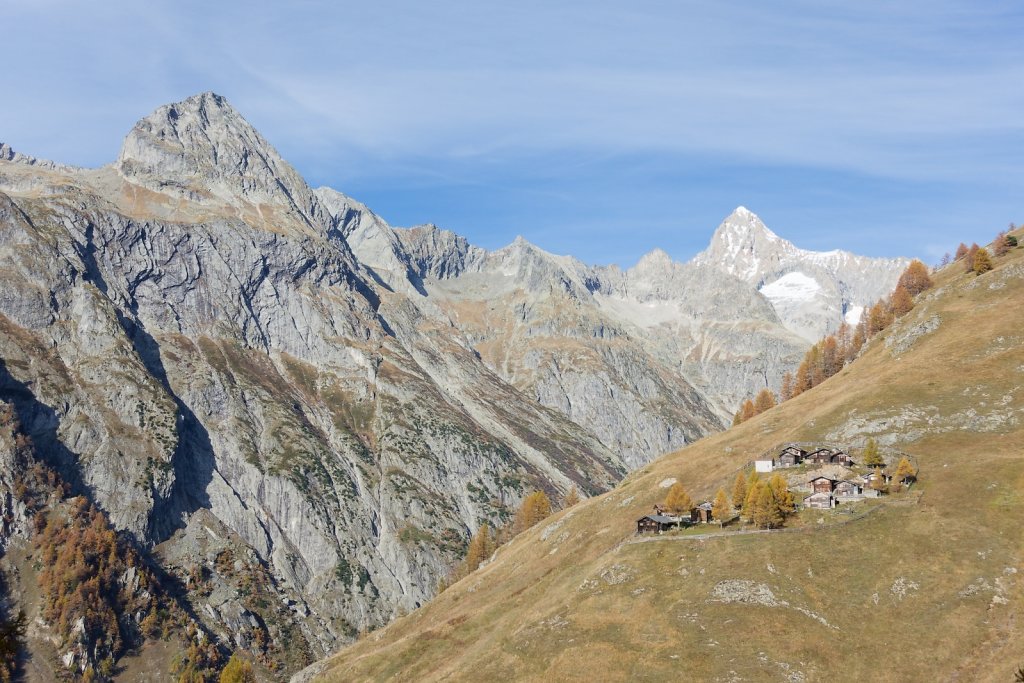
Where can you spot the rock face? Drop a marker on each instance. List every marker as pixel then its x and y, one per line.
pixel 649 358
pixel 209 349
pixel 811 291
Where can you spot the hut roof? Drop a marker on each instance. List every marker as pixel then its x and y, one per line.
pixel 660 519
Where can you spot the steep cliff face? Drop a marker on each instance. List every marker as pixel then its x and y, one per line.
pixel 188 339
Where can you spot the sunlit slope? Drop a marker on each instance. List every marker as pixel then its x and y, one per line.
pixel 924 588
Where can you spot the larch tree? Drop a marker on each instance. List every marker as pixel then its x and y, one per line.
pixel 856 343
pixel 748 410
pixel 961 251
pixel 879 318
pixel 571 498
pixel 1000 245
pixel 915 279
pixel 720 509
pixel 481 547
pixel 739 491
pixel 783 496
pixel 767 513
pixel 535 508
pixel 786 391
pixel 831 360
pixel 802 381
pixel 969 258
pixel 900 301
pixel 678 500
pixel 982 261
pixel 904 471
pixel 750 502
pixel 237 670
pixel 814 365
pixel 872 456
pixel 765 400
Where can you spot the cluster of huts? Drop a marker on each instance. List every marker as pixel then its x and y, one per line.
pixel 792 456
pixel 825 492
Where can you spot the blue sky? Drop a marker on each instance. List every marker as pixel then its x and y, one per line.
pixel 592 128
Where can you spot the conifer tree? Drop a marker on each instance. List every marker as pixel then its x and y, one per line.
pixel 237 670
pixel 856 343
pixel 904 470
pixel 878 318
pixel 739 491
pixel 535 508
pixel 721 509
pixel 737 418
pixel 481 547
pixel 678 500
pixel 748 410
pixel 802 382
pixel 969 258
pixel 872 456
pixel 961 251
pixel 900 302
pixel 915 279
pixel 982 261
pixel 765 400
pixel 831 360
pixel 767 513
pixel 783 496
pixel 571 498
pixel 1000 245
pixel 750 502
pixel 814 365
pixel 786 390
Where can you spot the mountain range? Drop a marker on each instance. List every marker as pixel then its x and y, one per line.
pixel 225 360
pixel 920 584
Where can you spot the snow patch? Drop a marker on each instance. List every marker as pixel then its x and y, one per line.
pixel 853 315
pixel 795 287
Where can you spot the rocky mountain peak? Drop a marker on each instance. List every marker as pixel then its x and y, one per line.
pixel 655 259
pixel 741 243
pixel 202 147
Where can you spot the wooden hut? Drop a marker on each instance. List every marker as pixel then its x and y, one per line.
pixel 655 523
pixel 702 513
pixel 822 456
pixel 849 489
pixel 823 484
pixel 791 456
pixel 839 457
pixel 820 500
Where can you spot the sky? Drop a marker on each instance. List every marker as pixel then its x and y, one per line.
pixel 597 129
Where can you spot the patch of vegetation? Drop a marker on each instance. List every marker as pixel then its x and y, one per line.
pixel 343 572
pixel 411 534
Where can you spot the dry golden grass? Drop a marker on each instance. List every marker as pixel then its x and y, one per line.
pixel 925 591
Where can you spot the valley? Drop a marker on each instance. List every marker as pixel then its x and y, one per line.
pixel 285 419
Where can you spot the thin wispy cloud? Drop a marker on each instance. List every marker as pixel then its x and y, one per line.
pixel 450 95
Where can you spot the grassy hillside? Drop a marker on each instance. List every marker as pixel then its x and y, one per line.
pixel 926 587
